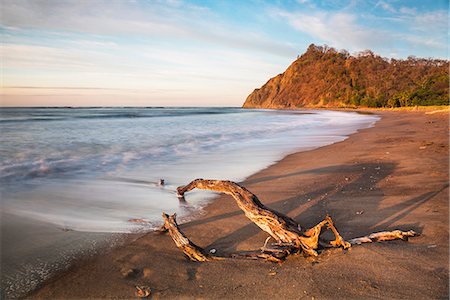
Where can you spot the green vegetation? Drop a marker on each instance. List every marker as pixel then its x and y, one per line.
pixel 325 77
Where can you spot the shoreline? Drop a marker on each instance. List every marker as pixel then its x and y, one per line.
pixel 305 185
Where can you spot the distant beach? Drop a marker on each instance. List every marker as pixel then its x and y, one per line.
pixel 391 176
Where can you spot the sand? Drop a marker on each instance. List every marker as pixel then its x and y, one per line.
pixel 391 176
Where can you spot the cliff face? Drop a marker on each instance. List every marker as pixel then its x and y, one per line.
pixel 325 77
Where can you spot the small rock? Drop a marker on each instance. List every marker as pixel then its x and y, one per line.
pixel 377 168
pixel 422 147
pixel 128 272
pixel 147 272
pixel 272 273
pixel 66 229
pixel 347 179
pixel 360 212
pixel 432 246
pixel 212 251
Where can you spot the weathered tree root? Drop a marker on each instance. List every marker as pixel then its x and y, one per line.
pixel 288 234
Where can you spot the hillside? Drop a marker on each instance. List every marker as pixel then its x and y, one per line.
pixel 325 77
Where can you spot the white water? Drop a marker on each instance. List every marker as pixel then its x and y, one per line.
pixel 94 169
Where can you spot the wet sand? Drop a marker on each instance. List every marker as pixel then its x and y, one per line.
pixel 391 176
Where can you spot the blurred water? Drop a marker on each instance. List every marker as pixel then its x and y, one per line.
pixel 72 177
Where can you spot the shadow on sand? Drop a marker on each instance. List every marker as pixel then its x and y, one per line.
pixel 337 199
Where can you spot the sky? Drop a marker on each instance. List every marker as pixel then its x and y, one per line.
pixel 191 53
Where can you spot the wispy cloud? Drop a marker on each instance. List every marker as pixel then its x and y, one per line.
pixel 434 20
pixel 337 29
pixel 174 19
pixel 408 10
pixel 426 41
pixel 386 6
pixel 349 29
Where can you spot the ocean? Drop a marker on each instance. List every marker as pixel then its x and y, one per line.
pixel 74 179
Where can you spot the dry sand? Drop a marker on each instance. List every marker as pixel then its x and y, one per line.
pixel 391 176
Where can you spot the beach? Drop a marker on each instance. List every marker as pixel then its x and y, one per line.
pixel 390 176
pixel 77 181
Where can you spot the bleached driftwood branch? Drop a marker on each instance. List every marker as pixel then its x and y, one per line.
pixel 384 236
pixel 288 234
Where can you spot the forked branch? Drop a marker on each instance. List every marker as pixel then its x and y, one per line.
pixel 288 233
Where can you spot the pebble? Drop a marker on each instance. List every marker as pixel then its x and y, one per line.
pixel 146 272
pixel 128 272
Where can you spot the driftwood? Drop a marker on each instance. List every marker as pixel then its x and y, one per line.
pixel 383 236
pixel 191 250
pixel 289 236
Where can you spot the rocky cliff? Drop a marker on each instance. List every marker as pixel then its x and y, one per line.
pixel 325 77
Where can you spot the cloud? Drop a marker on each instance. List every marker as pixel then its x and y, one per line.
pixel 338 29
pixel 32 56
pixel 386 6
pixel 79 69
pixel 425 29
pixel 408 10
pixel 160 19
pixel 349 29
pixel 434 20
pixel 426 41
